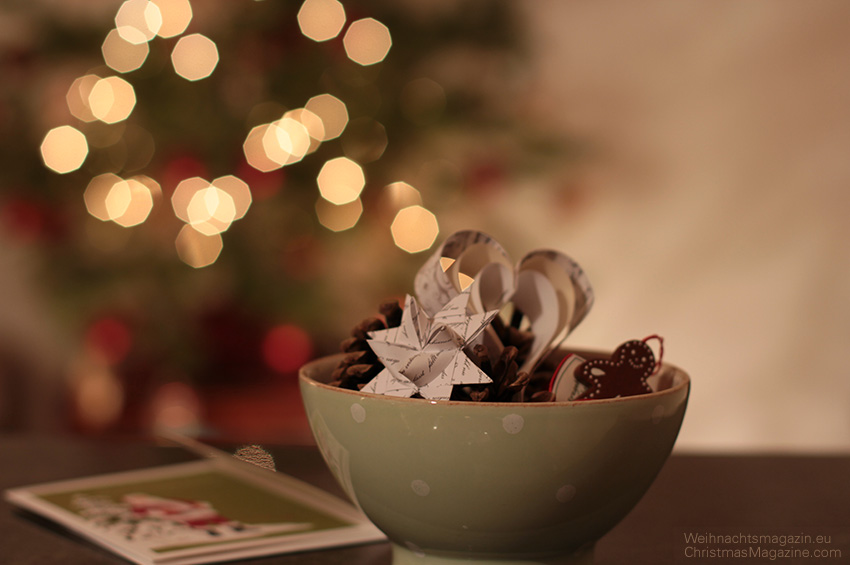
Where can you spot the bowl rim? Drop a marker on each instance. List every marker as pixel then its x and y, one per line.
pixel 681 381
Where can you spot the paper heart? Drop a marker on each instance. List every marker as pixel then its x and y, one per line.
pixel 548 287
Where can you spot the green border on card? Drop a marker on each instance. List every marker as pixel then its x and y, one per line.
pixel 235 498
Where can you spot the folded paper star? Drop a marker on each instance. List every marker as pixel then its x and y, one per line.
pixel 426 355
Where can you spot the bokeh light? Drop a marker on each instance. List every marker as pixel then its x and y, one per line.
pixel 118 199
pixel 176 406
pixel 96 192
pixel 97 394
pixel 333 113
pixel 195 57
pixel 312 123
pixel 340 180
pixel 286 348
pixel 176 16
pixel 398 195
pixel 422 101
pixel 183 194
pixel 78 97
pixel 129 202
pixel 238 190
pixel 255 151
pixel 64 149
pixel 211 210
pixel 338 217
pixel 138 21
pixel 367 41
pixel 153 186
pixel 321 20
pixel 414 229
pixel 112 99
pixel 121 55
pixel 196 249
pixel 286 141
pixel 365 140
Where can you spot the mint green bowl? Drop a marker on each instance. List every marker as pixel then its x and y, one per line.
pixel 519 483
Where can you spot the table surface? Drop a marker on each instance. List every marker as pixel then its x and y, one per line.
pixel 694 494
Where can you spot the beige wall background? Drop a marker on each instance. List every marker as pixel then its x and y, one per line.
pixel 718 212
pixel 715 210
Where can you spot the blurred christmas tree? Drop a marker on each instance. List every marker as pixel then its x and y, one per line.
pixel 136 144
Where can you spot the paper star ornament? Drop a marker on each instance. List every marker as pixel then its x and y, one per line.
pixel 426 355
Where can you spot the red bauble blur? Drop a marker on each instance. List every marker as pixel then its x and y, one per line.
pixel 286 348
pixel 31 221
pixel 485 177
pixel 180 168
pixel 111 338
pixel 263 185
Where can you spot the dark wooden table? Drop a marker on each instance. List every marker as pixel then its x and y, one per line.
pixel 790 499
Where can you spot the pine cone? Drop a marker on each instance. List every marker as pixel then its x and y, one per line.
pixel 361 364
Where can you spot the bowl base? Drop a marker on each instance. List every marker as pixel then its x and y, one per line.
pixel 406 556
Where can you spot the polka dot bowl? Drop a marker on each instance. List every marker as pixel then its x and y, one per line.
pixel 519 483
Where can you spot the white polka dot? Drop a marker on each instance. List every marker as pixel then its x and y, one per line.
pixel 358 413
pixel 513 423
pixel 420 487
pixel 565 493
pixel 657 414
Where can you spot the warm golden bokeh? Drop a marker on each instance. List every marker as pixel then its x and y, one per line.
pixel 238 190
pixel 153 186
pixel 196 249
pixel 129 202
pixel 175 406
pixel 211 210
pixel 313 124
pixel 96 192
pixel 112 99
pixel 122 55
pixel 340 180
pixel 98 396
pixel 183 194
pixel 321 20
pixel 333 113
pixel 338 217
pixel 400 195
pixel 414 229
pixel 286 141
pixel 255 152
pixel 78 97
pixel 118 199
pixel 367 41
pixel 138 21
pixel 195 57
pixel 175 14
pixel 64 149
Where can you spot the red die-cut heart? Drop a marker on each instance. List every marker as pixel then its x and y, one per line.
pixel 624 374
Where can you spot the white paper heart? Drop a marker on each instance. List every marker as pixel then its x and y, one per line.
pixel 548 287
